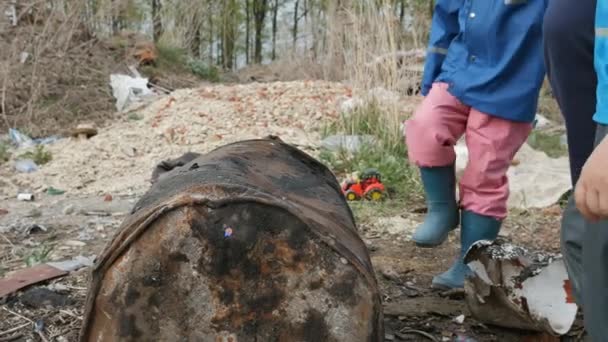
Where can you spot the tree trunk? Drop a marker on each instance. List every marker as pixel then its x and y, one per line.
pixel 294 31
pixel 195 45
pixel 275 12
pixel 259 13
pixel 211 33
pixel 157 23
pixel 402 11
pixel 431 8
pixel 228 33
pixel 247 26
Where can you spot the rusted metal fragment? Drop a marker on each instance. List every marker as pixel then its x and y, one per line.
pixel 29 276
pixel 516 288
pixel 251 242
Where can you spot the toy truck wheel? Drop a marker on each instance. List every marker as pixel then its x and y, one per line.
pixel 375 195
pixel 351 196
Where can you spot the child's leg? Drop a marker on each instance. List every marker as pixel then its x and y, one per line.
pixel 492 143
pixel 431 135
pixel 435 128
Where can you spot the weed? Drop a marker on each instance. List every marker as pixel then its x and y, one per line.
pixel 548 143
pixel 204 70
pixel 5 155
pixel 39 155
pixel 38 255
pixel 134 117
pixel 171 57
pixel 388 155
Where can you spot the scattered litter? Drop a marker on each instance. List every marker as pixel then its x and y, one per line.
pixel 96 213
pixel 463 338
pixel 19 139
pixel 107 198
pixel 129 151
pixel 26 166
pixel 128 90
pixel 73 264
pixel 516 288
pixel 563 140
pixel 459 319
pixel 39 329
pixel 84 131
pixel 390 274
pixel 35 229
pixel 85 236
pixel 35 212
pixel 541 122
pixel 74 243
pixel 349 143
pixel 25 197
pixel 42 297
pixel 29 276
pixel 68 209
pixel 54 192
pixel 227 232
pixel 23 57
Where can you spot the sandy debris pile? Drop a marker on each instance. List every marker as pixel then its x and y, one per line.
pixel 119 160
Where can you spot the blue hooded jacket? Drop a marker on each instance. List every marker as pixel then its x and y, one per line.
pixel 490 52
pixel 601 61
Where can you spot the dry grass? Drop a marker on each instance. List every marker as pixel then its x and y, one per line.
pixel 53 71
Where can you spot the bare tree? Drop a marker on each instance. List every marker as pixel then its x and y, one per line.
pixel 294 31
pixel 247 29
pixel 157 23
pixel 260 7
pixel 275 12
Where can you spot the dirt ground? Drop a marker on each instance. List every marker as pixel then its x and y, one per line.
pixel 119 162
pixel 412 311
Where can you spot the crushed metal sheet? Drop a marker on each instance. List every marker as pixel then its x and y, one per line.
pixel 517 288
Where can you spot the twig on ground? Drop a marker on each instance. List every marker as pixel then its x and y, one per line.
pixel 18 315
pixel 401 334
pixel 12 330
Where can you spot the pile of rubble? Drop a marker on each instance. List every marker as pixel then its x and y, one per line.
pixel 119 159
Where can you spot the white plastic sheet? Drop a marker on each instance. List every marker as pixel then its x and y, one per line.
pixel 127 90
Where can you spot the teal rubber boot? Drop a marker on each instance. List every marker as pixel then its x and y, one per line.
pixel 474 228
pixel 442 215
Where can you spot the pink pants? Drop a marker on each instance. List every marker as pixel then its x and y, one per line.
pixel 492 142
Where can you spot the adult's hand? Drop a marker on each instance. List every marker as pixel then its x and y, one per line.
pixel 591 193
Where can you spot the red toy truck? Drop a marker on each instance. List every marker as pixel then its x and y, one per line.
pixel 369 186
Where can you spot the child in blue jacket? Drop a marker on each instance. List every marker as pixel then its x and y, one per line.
pixel 482 78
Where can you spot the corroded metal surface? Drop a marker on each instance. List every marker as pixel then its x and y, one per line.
pixel 251 242
pixel 513 287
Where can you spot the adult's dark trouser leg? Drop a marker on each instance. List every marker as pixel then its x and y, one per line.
pixel 595 276
pixel 569 40
pixel 568 44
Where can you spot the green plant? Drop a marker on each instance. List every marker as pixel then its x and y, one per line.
pixel 388 154
pixel 38 255
pixel 204 70
pixel 171 57
pixel 39 155
pixel 5 155
pixel 134 117
pixel 549 143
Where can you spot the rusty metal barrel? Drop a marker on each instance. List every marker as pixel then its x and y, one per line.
pixel 250 242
